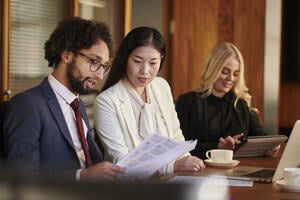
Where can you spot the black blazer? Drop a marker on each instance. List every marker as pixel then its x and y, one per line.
pixel 192 114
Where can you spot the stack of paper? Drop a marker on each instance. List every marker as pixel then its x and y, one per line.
pixel 152 154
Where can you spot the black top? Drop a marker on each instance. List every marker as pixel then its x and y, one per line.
pixel 208 119
pixel 222 119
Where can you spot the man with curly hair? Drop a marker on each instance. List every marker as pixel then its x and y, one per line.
pixel 40 129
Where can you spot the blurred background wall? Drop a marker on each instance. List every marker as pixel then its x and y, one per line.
pixel 261 29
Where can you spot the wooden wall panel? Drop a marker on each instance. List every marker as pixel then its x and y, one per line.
pixel 195 33
pixel 4 51
pixel 249 36
pixel 289 108
pixel 226 20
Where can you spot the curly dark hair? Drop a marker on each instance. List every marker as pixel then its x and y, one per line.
pixel 137 37
pixel 73 34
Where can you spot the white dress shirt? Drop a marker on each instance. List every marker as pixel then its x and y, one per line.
pixel 65 98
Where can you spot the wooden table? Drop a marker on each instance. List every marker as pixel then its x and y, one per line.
pixel 259 191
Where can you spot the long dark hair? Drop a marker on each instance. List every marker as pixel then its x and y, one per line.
pixel 140 36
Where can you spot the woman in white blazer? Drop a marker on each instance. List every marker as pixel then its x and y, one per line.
pixel 134 103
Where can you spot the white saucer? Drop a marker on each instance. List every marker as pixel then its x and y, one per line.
pixel 231 164
pixel 282 184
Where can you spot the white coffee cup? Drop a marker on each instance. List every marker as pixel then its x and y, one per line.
pixel 220 155
pixel 292 176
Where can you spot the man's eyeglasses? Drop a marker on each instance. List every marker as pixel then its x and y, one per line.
pixel 95 64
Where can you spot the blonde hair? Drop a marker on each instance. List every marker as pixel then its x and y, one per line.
pixel 216 60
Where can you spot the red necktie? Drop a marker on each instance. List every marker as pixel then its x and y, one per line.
pixel 76 108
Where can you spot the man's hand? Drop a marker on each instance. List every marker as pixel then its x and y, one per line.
pixel 102 170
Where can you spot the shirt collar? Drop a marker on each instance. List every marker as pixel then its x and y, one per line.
pixel 134 94
pixel 228 97
pixel 61 90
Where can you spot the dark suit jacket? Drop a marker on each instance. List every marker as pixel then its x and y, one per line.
pixel 36 136
pixel 192 114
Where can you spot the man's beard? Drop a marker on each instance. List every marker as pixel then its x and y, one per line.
pixel 76 84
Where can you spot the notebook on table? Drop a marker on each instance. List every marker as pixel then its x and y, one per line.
pixel 289 158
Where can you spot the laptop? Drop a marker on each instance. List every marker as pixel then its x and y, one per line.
pixel 290 158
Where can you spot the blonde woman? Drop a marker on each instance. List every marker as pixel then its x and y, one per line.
pixel 219 113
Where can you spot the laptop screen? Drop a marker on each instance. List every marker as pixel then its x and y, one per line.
pixel 290 155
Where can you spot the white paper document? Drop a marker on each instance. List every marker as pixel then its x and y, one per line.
pixel 152 154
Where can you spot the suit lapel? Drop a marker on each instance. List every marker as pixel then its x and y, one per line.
pixel 241 115
pixel 127 112
pixel 199 118
pixel 56 111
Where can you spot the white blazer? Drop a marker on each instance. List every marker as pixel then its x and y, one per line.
pixel 115 121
